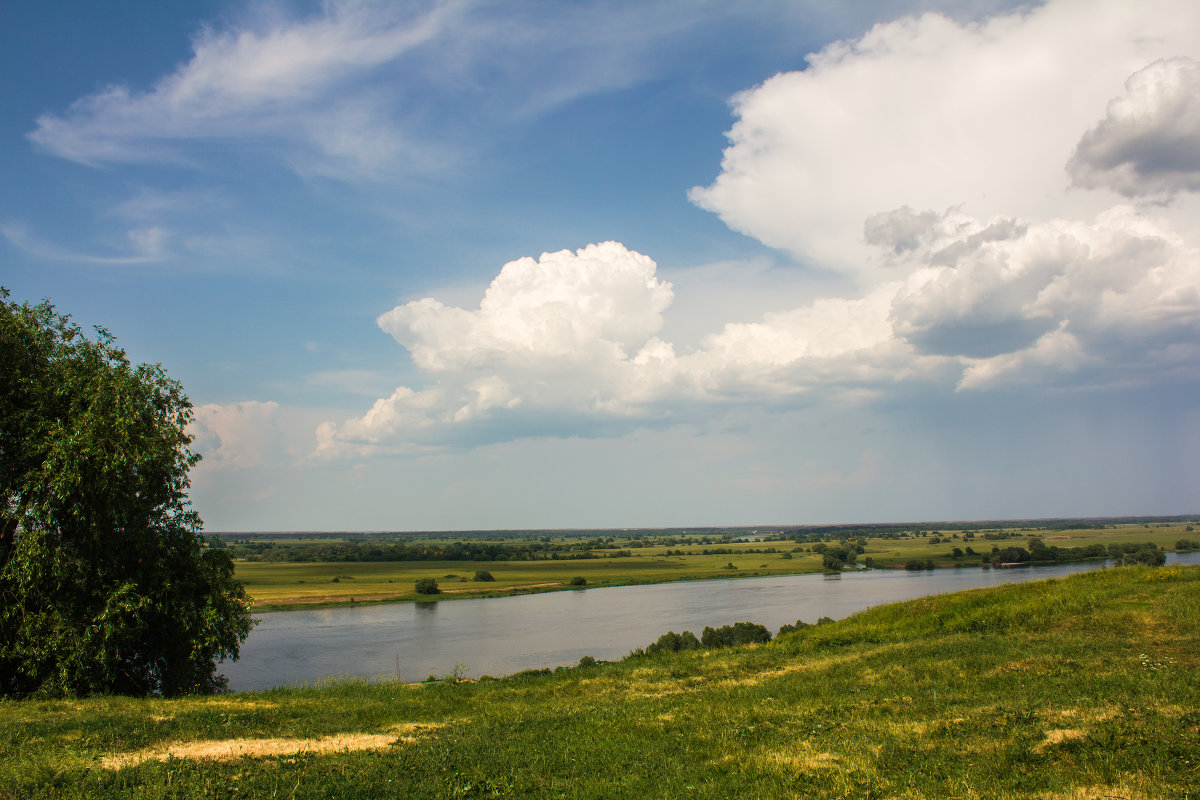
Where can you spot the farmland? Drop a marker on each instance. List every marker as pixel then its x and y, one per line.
pixel 287 570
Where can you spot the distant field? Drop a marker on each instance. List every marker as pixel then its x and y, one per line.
pixel 282 584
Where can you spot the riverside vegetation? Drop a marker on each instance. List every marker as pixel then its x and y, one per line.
pixel 1082 687
pixel 282 571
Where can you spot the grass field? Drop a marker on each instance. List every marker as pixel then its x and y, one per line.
pixel 275 585
pixel 1078 688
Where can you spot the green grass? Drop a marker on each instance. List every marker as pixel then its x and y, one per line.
pixel 1083 687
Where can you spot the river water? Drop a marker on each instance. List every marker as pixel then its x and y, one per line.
pixel 502 635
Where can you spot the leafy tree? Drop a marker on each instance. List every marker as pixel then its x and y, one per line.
pixel 1147 554
pixel 483 575
pixel 106 584
pixel 427 586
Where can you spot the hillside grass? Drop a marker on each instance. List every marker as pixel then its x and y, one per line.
pixel 1083 687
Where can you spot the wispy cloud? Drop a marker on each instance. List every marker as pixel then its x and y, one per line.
pixel 280 82
pixel 144 246
pixel 363 89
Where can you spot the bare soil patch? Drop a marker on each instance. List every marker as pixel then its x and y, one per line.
pixel 233 749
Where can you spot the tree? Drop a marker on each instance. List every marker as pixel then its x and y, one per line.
pixel 106 584
pixel 427 586
pixel 831 562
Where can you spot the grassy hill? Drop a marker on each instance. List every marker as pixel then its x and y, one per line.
pixel 1084 687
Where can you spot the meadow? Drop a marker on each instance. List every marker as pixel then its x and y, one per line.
pixel 1082 687
pixel 654 557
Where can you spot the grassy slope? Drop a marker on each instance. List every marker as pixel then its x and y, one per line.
pixel 1084 687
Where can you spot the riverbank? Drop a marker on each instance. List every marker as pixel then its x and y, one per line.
pixel 285 586
pixel 1081 687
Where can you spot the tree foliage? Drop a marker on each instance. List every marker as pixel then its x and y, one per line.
pixel 106 585
pixel 736 634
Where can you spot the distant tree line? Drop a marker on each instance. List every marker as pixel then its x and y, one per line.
pixel 1038 552
pixel 271 551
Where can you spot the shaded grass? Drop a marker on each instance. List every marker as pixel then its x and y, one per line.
pixel 1074 688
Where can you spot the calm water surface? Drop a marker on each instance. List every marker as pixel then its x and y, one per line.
pixel 502 635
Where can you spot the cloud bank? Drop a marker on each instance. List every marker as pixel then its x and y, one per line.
pixel 929 113
pixel 974 179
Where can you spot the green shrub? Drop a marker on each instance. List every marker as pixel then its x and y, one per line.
pixel 799 625
pixel 483 575
pixel 427 586
pixel 672 642
pixel 579 580
pixel 1149 555
pixel 735 634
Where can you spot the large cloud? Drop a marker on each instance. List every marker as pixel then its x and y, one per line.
pixel 568 340
pixel 930 113
pixel 929 159
pixel 1149 141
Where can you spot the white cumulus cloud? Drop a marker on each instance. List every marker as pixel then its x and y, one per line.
pixel 930 159
pixel 930 113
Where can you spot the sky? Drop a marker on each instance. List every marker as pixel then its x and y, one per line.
pixel 493 265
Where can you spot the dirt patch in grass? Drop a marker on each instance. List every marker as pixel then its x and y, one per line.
pixel 802 760
pixel 234 749
pixel 1098 793
pixel 1058 736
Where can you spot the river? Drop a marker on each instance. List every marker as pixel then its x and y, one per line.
pixel 502 635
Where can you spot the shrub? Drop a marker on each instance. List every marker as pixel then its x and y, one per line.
pixel 587 661
pixel 427 586
pixel 832 562
pixel 799 625
pixel 483 575
pixel 1148 555
pixel 671 642
pixel 579 580
pixel 735 634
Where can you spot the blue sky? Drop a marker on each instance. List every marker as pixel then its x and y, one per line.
pixel 500 265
